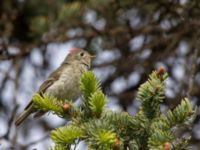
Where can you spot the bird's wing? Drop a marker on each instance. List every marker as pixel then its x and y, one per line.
pixel 51 79
pixel 29 109
pixel 42 89
pixel 46 84
pixel 54 76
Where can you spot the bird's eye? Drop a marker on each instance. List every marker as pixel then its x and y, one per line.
pixel 81 54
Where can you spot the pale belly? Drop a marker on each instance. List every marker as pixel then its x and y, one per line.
pixel 66 87
pixel 63 91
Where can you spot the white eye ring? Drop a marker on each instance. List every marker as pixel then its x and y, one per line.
pixel 81 54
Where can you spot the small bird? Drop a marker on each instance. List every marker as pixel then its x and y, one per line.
pixel 63 83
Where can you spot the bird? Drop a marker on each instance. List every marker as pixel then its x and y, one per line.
pixel 63 83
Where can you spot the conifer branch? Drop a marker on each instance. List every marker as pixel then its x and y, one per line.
pixel 163 127
pixel 100 134
pixel 97 103
pixel 47 103
pixel 66 135
pixel 151 94
pixel 89 84
pixel 104 129
pixel 182 114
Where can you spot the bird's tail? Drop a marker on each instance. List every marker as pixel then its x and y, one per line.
pixel 24 114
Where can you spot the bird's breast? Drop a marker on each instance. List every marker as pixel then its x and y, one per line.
pixel 67 86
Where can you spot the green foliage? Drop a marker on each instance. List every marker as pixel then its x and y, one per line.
pixel 105 138
pixel 35 17
pixel 104 129
pixel 151 94
pixel 124 124
pixel 66 135
pixel 158 138
pixel 47 103
pixel 100 133
pixel 97 103
pixel 183 113
pixel 133 145
pixel 162 127
pixel 89 84
pixel 58 147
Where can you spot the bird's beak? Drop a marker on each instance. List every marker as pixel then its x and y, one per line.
pixel 92 56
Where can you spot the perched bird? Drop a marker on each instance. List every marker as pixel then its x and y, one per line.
pixel 63 83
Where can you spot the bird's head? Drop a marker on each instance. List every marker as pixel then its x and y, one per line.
pixel 79 55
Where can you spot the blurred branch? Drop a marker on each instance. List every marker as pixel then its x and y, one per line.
pixel 14 56
pixel 192 72
pixel 10 121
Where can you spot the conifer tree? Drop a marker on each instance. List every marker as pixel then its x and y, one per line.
pixel 103 129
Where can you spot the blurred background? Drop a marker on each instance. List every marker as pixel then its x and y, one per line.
pixel 130 38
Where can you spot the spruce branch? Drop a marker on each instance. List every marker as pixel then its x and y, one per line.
pixel 97 103
pixel 89 84
pixel 104 129
pixel 100 134
pixel 133 145
pixel 159 138
pixel 151 94
pixel 183 114
pixel 162 129
pixel 105 138
pixel 124 124
pixel 93 99
pixel 66 135
pixel 47 103
pixel 58 147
